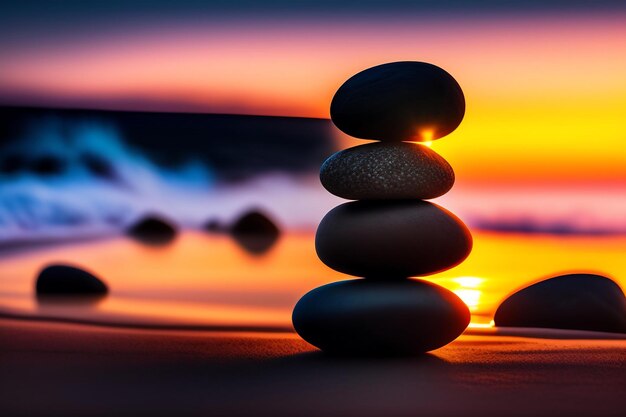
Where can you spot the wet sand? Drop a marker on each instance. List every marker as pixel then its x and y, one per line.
pixel 51 369
pixel 168 339
pixel 204 281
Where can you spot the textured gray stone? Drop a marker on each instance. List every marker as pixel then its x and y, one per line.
pixel 387 171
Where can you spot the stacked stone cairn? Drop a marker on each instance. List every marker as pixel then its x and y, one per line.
pixel 390 233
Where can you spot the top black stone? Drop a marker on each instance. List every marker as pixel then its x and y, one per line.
pixel 399 101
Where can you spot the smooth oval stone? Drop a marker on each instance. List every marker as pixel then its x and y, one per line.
pixel 152 230
pixel 370 317
pixel 387 171
pixel 68 280
pixel 391 239
pixel 255 222
pixel 255 232
pixel 574 301
pixel 399 101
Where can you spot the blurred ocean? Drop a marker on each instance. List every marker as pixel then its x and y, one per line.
pixel 67 174
pixel 79 173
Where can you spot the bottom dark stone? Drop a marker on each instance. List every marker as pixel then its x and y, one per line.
pixel 376 317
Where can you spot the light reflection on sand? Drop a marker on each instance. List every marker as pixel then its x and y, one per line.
pixel 208 281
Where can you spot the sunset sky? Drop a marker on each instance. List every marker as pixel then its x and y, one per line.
pixel 540 155
pixel 545 86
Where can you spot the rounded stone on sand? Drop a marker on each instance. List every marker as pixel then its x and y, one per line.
pixel 67 280
pixel 391 239
pixel 387 171
pixel 399 101
pixel 255 232
pixel 255 222
pixel 380 317
pixel 573 301
pixel 153 230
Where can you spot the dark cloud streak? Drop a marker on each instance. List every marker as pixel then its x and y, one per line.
pixel 68 12
pixel 29 22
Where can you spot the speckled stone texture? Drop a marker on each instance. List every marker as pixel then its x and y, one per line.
pixel 391 239
pixel 384 171
pixel 399 101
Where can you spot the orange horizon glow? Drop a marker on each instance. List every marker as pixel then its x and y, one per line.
pixel 545 96
pixel 205 280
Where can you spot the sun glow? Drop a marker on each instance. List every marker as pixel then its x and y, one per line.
pixel 469 297
pixel 481 325
pixel 426 135
pixel 469 282
pixel 468 291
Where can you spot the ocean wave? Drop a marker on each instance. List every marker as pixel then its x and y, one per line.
pixel 81 179
pixel 67 180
